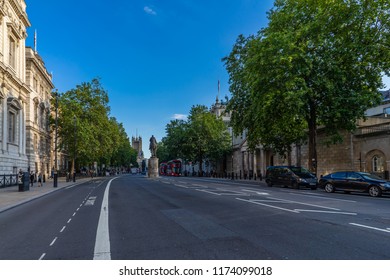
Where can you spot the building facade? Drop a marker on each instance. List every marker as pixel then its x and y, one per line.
pixel 38 132
pixel 366 149
pixel 25 94
pixel 14 92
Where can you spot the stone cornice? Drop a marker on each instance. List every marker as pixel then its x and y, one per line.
pixel 20 12
pixel 35 59
pixel 8 73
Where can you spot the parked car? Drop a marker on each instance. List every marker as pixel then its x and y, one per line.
pixel 290 176
pixel 350 181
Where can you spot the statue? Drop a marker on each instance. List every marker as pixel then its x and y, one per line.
pixel 153 146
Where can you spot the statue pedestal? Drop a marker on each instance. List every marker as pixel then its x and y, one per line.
pixel 153 167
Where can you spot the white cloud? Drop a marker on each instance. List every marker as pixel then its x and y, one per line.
pixel 149 11
pixel 179 117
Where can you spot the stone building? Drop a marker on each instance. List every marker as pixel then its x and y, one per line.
pixel 25 93
pixel 38 133
pixel 136 143
pixel 14 92
pixel 365 149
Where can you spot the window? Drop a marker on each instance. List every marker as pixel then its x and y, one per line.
pixel 35 84
pixel 12 53
pixel 339 175
pixel 36 112
pixel 43 120
pixel 377 164
pixel 353 176
pixel 11 127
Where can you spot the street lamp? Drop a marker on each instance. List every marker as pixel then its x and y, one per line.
pixel 55 175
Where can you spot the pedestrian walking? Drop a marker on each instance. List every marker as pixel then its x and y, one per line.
pixel 39 179
pixel 32 179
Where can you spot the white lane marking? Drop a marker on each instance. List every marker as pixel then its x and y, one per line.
pixel 54 240
pixel 90 201
pixel 181 186
pixel 308 204
pixel 207 192
pixel 202 186
pixel 102 249
pixel 369 227
pixel 263 204
pixel 63 228
pixel 42 256
pixel 323 197
pixel 259 193
pixel 74 214
pixel 327 212
pixel 69 221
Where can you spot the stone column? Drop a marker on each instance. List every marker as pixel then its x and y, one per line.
pixel 153 167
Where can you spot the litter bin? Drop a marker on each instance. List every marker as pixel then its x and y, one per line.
pixel 24 181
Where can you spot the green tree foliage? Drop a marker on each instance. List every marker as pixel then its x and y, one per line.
pixel 202 136
pixel 85 129
pixel 317 64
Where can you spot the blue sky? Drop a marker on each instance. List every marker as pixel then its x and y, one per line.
pixel 155 58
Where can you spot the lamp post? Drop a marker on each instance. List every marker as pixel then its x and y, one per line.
pixel 74 148
pixel 55 175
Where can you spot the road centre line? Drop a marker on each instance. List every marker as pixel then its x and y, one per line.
pixel 369 227
pixel 263 204
pixel 69 221
pixel 54 240
pixel 63 228
pixel 42 256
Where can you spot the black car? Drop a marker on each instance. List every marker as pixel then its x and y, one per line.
pixel 350 181
pixel 290 176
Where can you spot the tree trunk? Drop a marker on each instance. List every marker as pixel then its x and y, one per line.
pixel 200 166
pixel 312 122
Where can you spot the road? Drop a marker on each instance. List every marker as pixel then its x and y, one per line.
pixel 136 218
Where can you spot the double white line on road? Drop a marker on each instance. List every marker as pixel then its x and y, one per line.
pixel 102 243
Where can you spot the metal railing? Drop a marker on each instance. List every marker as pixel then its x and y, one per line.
pixel 8 180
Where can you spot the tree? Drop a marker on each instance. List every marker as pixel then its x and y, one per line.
pixel 85 129
pixel 316 64
pixel 207 136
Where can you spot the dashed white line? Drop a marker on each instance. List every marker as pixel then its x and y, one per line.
pixel 63 228
pixel 74 214
pixel 42 256
pixel 54 240
pixel 68 221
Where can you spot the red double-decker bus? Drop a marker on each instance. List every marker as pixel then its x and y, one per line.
pixel 163 169
pixel 174 167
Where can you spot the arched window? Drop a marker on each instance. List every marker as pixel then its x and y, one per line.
pixel 377 164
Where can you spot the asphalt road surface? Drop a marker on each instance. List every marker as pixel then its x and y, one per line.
pixel 137 218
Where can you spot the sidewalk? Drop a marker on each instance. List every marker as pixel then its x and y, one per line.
pixel 11 197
